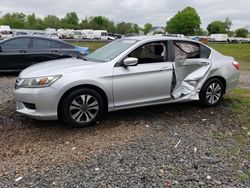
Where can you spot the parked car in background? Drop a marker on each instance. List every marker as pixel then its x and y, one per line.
pixel 100 34
pixel 77 34
pixel 111 36
pixel 53 35
pixel 41 34
pixel 17 53
pixel 88 34
pixel 21 33
pixel 5 31
pixel 65 33
pixel 127 73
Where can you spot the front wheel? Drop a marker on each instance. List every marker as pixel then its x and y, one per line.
pixel 82 107
pixel 212 92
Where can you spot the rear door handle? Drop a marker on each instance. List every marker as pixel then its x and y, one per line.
pixel 54 51
pixel 203 63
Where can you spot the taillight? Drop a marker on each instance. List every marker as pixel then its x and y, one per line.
pixel 236 65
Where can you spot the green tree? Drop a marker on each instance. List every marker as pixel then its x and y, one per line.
pixel 15 20
pixel 228 23
pixel 31 21
pixel 201 32
pixel 126 28
pixel 185 22
pixel 147 27
pixel 52 21
pixel 218 26
pixel 70 21
pixel 241 32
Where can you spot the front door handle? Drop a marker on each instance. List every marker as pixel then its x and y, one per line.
pixel 23 51
pixel 55 51
pixel 165 68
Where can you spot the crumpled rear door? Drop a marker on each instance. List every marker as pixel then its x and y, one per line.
pixel 188 74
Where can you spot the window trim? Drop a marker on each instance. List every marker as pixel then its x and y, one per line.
pixel 183 41
pixel 11 39
pixel 165 42
pixel 50 41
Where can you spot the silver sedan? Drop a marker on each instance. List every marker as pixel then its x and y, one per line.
pixel 127 73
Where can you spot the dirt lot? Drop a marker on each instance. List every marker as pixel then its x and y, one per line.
pixel 178 145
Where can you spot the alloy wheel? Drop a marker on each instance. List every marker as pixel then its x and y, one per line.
pixel 84 108
pixel 213 93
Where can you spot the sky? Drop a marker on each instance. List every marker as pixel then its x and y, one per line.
pixel 156 12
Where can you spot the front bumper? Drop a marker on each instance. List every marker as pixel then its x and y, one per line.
pixel 45 101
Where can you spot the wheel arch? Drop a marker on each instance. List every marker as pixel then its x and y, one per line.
pixel 223 80
pixel 89 86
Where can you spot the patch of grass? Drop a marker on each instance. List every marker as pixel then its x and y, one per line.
pixel 93 45
pixel 245 176
pixel 241 52
pixel 240 105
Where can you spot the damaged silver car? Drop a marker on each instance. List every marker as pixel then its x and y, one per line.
pixel 127 73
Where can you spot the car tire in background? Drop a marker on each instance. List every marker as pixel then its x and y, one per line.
pixel 212 92
pixel 81 108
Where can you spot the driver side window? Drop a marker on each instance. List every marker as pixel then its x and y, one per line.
pixel 150 53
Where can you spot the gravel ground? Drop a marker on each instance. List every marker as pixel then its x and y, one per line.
pixel 178 145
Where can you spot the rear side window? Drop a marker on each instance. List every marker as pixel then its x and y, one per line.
pixel 68 46
pixel 205 52
pixel 45 44
pixel 41 44
pixel 55 44
pixel 21 43
pixel 185 50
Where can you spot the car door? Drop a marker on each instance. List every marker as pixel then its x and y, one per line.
pixel 44 50
pixel 191 63
pixel 146 83
pixel 13 54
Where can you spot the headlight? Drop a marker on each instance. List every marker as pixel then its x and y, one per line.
pixel 40 82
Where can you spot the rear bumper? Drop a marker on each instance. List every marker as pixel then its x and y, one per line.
pixel 232 82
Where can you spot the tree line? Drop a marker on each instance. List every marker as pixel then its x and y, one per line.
pixel 186 21
pixel 69 21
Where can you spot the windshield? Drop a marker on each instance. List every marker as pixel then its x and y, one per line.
pixel 111 50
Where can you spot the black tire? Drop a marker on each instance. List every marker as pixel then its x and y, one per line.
pixel 207 88
pixel 85 120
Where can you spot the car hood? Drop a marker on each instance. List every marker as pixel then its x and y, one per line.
pixel 57 67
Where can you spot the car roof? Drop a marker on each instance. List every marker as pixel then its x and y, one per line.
pixel 36 37
pixel 150 38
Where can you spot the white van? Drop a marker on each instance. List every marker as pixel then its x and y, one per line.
pixel 220 37
pixel 88 33
pixel 77 34
pixel 5 31
pixel 101 34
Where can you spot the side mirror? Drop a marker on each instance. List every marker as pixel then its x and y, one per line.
pixel 130 61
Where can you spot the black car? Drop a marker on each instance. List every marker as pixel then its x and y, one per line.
pixel 17 53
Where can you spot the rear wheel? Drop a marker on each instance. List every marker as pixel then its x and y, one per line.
pixel 212 92
pixel 82 107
